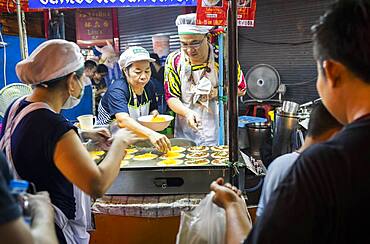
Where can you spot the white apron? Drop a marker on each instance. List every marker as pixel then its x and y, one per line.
pixel 208 132
pixel 75 231
pixel 135 111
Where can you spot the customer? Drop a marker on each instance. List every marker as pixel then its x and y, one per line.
pixel 158 79
pixel 44 148
pixel 99 83
pixel 12 226
pixel 321 127
pixel 324 198
pixel 133 96
pixel 90 69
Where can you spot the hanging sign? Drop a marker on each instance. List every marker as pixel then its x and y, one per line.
pixel 93 27
pixel 108 3
pixel 214 12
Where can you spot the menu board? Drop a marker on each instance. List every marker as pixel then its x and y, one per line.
pixel 94 27
pixel 214 12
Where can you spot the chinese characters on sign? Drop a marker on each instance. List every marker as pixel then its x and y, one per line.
pixel 94 27
pixel 214 12
pixel 108 3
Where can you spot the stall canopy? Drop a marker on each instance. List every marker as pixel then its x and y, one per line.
pixel 11 7
pixel 42 4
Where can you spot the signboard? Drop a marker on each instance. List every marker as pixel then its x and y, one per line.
pixel 94 27
pixel 108 3
pixel 214 12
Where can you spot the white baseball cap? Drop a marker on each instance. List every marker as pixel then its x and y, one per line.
pixel 134 54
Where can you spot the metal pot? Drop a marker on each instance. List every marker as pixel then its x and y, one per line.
pixel 285 127
pixel 258 134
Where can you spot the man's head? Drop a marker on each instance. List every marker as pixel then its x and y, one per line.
pixel 322 125
pixel 342 51
pixel 101 72
pixel 193 38
pixel 90 68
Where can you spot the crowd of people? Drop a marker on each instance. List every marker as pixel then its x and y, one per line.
pixel 315 195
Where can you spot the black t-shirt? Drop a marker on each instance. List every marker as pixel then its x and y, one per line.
pixel 325 197
pixel 9 209
pixel 33 145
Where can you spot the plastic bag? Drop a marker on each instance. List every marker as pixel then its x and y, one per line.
pixel 206 224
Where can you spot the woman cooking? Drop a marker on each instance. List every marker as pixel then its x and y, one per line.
pixel 133 96
pixel 44 148
pixel 191 83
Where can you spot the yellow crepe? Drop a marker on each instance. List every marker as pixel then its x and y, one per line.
pixel 197 162
pixel 177 149
pixel 131 150
pixel 124 163
pixel 128 156
pixel 169 162
pixel 145 156
pixel 172 155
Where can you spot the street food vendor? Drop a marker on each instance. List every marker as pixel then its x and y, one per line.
pixel 133 96
pixel 191 83
pixel 44 148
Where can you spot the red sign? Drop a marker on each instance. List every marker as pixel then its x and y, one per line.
pixel 214 12
pixel 94 27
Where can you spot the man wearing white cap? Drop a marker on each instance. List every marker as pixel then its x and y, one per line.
pixel 133 96
pixel 44 148
pixel 191 83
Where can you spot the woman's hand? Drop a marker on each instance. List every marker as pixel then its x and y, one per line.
pixel 100 137
pixel 161 142
pixel 126 136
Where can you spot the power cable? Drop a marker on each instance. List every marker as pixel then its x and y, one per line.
pixel 276 43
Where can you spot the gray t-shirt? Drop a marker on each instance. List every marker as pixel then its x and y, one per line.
pixel 276 172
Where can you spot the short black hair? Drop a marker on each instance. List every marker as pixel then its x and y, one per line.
pixel 102 68
pixel 90 64
pixel 321 121
pixel 343 35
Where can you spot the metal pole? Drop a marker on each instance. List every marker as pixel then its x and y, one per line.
pixel 20 29
pixel 233 87
pixel 25 43
pixel 221 134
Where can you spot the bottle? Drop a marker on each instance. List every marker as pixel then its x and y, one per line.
pixel 18 189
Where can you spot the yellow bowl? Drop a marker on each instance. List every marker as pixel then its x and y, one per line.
pixel 157 124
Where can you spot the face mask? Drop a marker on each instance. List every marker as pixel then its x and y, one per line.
pixel 72 101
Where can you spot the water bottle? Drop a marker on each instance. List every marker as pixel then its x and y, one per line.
pixel 18 189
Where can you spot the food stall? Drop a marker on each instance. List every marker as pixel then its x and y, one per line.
pixel 152 188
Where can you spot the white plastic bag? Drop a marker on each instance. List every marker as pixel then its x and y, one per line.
pixel 206 224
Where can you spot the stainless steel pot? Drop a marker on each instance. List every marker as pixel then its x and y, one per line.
pixel 258 134
pixel 285 127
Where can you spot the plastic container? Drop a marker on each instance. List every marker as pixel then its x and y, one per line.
pixel 18 189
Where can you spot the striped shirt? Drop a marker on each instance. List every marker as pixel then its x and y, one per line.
pixel 172 82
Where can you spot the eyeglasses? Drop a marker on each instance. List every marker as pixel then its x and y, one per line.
pixel 193 45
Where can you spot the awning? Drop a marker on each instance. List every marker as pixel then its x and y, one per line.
pixel 10 6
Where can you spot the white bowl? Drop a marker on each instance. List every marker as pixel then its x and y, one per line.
pixel 156 126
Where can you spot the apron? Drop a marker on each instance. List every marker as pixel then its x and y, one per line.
pixel 135 111
pixel 74 231
pixel 209 115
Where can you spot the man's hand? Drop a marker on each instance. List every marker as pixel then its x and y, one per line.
pixel 226 194
pixel 213 95
pixel 160 142
pixel 193 120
